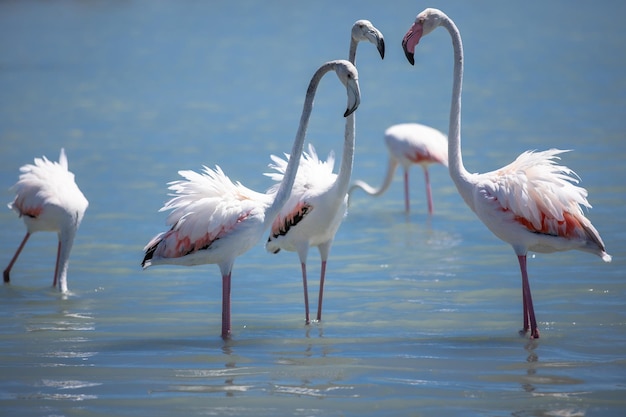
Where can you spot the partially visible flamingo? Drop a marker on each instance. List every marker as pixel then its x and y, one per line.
pixel 532 203
pixel 48 199
pixel 408 144
pixel 318 202
pixel 214 220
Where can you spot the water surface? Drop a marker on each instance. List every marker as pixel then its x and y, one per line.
pixel 421 313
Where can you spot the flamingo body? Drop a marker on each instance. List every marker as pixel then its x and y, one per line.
pixel 309 217
pixel 214 220
pixel 410 144
pixel 533 203
pixel 318 202
pixel 48 199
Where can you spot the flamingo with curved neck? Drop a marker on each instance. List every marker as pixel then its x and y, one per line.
pixel 214 220
pixel 533 203
pixel 317 204
pixel 48 199
pixel 409 144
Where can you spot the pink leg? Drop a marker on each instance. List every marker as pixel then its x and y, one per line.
pixel 527 299
pixel 56 267
pixel 407 204
pixel 319 301
pixel 429 196
pixel 226 328
pixel 307 318
pixel 7 271
pixel 526 322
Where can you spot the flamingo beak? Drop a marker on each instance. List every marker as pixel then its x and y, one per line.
pixel 354 97
pixel 377 39
pixel 410 40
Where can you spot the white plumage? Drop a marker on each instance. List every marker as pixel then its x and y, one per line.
pixel 533 203
pixel 214 220
pixel 318 202
pixel 48 199
pixel 409 144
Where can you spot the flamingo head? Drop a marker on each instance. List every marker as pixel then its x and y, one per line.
pixel 425 22
pixel 349 77
pixel 364 30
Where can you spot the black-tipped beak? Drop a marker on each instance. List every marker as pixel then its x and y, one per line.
pixel 410 56
pixel 354 97
pixel 349 111
pixel 381 48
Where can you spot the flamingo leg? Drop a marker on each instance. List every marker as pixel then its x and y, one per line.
pixel 56 266
pixel 407 204
pixel 526 322
pixel 307 318
pixel 7 271
pixel 226 328
pixel 321 296
pixel 527 299
pixel 429 196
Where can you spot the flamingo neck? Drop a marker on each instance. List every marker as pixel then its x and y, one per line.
pixel 375 192
pixel 289 176
pixel 352 51
pixel 347 158
pixel 459 174
pixel 66 241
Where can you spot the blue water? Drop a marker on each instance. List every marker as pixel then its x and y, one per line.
pixel 421 313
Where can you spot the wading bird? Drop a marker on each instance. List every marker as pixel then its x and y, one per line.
pixel 48 200
pixel 318 203
pixel 409 144
pixel 214 220
pixel 532 203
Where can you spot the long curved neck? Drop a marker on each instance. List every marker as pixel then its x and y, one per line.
pixel 296 151
pixel 459 174
pixel 342 183
pixel 347 155
pixel 375 192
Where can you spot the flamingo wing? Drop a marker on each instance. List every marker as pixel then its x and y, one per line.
pixel 204 208
pixel 416 143
pixel 542 196
pixel 314 176
pixel 43 183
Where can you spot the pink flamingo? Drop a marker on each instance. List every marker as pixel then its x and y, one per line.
pixel 317 206
pixel 48 199
pixel 214 220
pixel 532 203
pixel 408 144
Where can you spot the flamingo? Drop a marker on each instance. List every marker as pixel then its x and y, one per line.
pixel 408 144
pixel 48 199
pixel 533 203
pixel 318 201
pixel 214 220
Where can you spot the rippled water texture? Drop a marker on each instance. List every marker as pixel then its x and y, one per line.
pixel 421 313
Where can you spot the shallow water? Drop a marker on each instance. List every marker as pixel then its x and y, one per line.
pixel 420 313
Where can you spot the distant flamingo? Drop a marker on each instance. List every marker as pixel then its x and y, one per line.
pixel 48 199
pixel 408 144
pixel 532 203
pixel 214 220
pixel 317 204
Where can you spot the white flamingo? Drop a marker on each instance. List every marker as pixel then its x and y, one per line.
pixel 48 199
pixel 214 220
pixel 318 204
pixel 532 203
pixel 409 144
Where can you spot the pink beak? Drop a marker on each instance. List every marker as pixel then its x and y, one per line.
pixel 410 40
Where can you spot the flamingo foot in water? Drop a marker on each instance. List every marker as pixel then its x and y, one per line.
pixel 533 335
